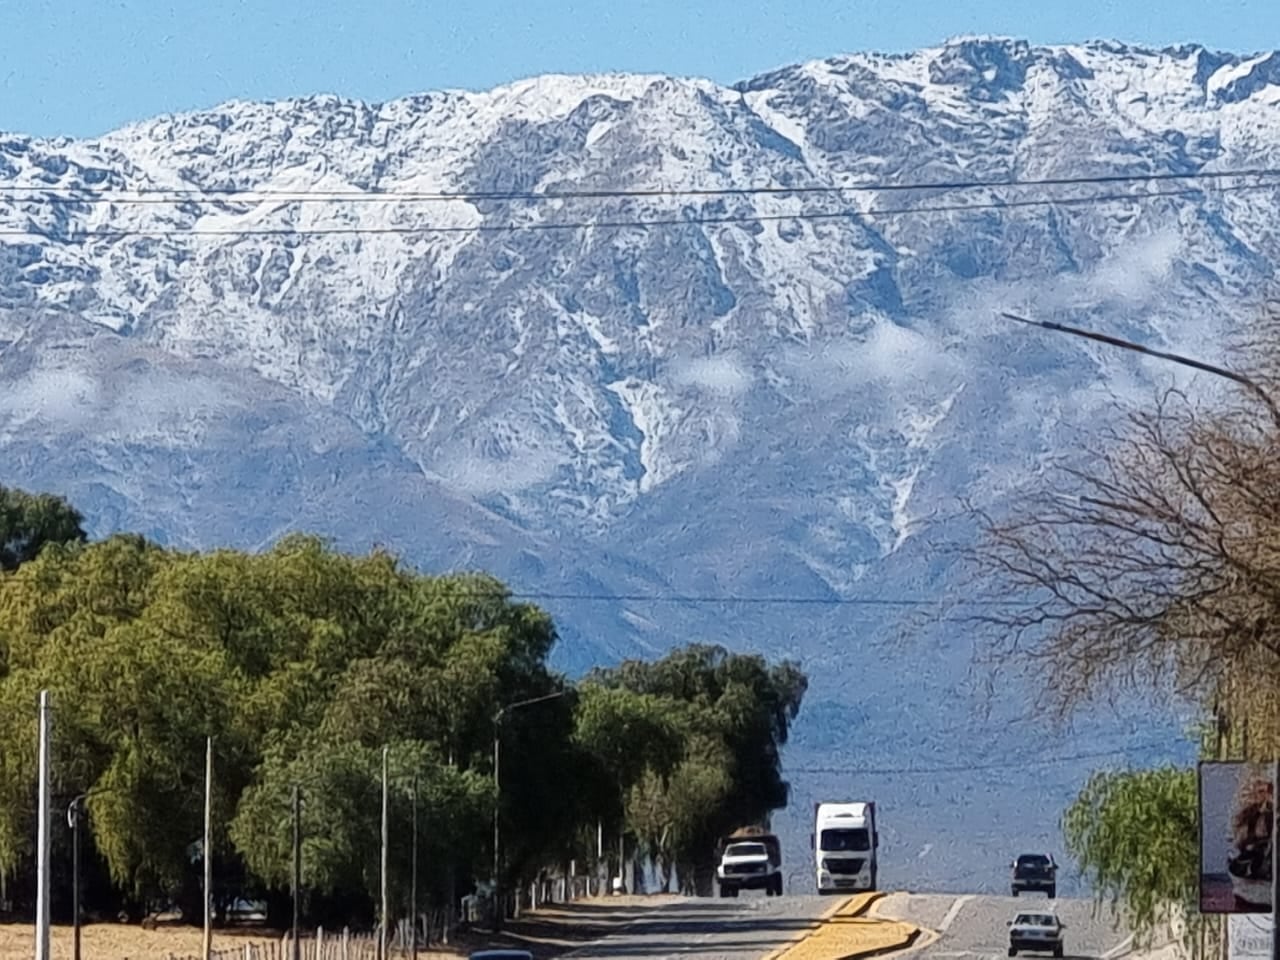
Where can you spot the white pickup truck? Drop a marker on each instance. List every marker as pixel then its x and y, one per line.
pixel 750 861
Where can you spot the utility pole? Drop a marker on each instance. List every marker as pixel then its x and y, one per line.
pixel 42 836
pixel 413 874
pixel 295 945
pixel 1275 874
pixel 382 926
pixel 208 848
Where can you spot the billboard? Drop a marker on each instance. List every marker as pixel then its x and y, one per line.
pixel 1237 803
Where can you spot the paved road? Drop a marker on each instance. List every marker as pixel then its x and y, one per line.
pixel 710 929
pixel 974 928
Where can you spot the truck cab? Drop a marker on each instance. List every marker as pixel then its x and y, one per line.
pixel 845 841
pixel 751 860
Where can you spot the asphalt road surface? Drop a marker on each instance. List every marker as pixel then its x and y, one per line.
pixel 975 928
pixel 746 928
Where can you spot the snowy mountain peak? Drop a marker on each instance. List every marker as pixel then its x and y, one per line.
pixel 575 374
pixel 673 393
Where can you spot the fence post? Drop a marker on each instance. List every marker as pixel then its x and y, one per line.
pixel 346 943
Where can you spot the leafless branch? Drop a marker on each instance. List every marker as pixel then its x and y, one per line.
pixel 1154 561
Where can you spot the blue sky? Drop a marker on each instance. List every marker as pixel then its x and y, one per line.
pixel 82 67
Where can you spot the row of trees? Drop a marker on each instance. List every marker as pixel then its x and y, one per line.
pixel 303 663
pixel 1153 567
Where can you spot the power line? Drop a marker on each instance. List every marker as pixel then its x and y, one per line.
pixel 1059 760
pixel 161 195
pixel 627 224
pixel 748 600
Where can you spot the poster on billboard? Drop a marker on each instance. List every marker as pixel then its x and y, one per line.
pixel 1236 816
pixel 1249 937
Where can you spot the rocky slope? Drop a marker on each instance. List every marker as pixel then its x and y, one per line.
pixel 220 326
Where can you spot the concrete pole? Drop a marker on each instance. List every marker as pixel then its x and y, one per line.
pixel 297 871
pixel 383 925
pixel 1275 874
pixel 208 848
pixel 42 837
pixel 413 877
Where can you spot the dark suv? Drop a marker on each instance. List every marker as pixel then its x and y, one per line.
pixel 1035 871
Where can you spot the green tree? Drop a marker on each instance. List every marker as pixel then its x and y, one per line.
pixel 1135 835
pixel 28 521
pixel 341 787
pixel 629 735
pixel 732 713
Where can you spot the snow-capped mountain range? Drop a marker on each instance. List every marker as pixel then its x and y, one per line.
pixel 351 317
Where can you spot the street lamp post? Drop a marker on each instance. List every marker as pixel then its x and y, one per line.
pixel 498 717
pixel 1268 401
pixel 74 814
pixel 1272 408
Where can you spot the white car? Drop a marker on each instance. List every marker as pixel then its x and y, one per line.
pixel 1036 932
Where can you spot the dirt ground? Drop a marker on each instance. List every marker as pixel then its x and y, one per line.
pixel 547 933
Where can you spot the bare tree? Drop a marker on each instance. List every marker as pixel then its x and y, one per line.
pixel 1153 562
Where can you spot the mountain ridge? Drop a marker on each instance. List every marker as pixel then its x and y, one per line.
pixel 786 406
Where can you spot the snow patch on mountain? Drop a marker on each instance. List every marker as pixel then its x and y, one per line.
pixel 351 319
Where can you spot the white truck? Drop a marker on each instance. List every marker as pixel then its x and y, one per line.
pixel 751 860
pixel 845 840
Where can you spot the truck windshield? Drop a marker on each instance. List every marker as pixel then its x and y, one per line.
pixel 746 850
pixel 838 840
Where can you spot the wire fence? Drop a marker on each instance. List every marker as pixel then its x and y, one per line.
pixel 433 928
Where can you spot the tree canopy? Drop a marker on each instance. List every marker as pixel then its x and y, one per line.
pixel 731 714
pixel 28 521
pixel 1135 835
pixel 303 663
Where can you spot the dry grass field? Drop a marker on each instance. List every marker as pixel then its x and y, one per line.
pixel 547 933
pixel 117 941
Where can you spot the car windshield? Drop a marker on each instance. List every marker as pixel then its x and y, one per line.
pixel 1033 861
pixel 746 850
pixel 1034 920
pixel 837 840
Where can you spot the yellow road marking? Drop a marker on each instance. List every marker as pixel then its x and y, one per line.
pixel 846 931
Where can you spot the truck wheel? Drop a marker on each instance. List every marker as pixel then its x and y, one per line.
pixel 777 887
pixel 725 891
pixel 1015 893
pixel 1057 951
pixel 1053 893
pixel 1013 952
